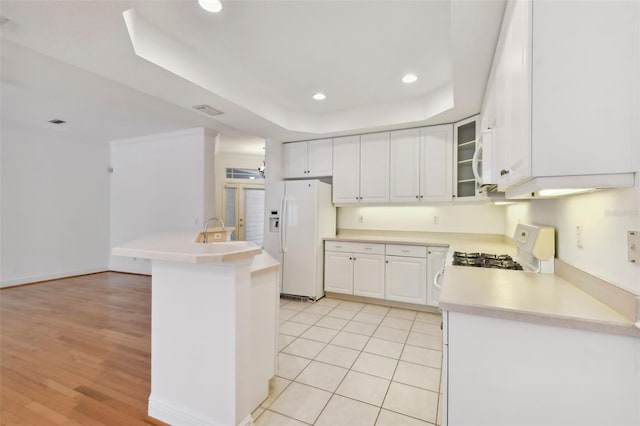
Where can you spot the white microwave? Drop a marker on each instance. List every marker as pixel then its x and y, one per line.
pixel 484 162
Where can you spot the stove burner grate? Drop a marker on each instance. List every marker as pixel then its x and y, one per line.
pixel 485 260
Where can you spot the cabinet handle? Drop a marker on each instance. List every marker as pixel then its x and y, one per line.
pixel 361 198
pixel 504 172
pixel 368 248
pixel 356 198
pixel 386 261
pixel 417 196
pixel 422 196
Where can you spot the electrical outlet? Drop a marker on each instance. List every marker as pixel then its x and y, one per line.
pixel 361 219
pixel 633 248
pixel 436 220
pixel 579 236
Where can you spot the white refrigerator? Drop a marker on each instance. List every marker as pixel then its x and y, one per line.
pixel 299 215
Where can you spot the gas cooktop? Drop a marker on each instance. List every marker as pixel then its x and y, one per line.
pixel 486 260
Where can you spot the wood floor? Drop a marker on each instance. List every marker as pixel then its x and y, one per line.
pixel 76 351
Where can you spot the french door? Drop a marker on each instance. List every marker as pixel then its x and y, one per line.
pixel 244 209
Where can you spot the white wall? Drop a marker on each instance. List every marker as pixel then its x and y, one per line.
pixel 463 218
pixel 605 216
pixel 55 204
pixel 159 183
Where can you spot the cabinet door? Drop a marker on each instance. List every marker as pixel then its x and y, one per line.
pixel 338 272
pixel 514 119
pixel 465 136
pixel 368 275
pixel 295 159
pixel 436 157
pixel 404 168
pixel 374 168
pixel 435 261
pixel 346 170
pixel 319 158
pixel 519 63
pixel 406 279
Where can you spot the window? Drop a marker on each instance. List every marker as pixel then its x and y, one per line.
pixel 236 173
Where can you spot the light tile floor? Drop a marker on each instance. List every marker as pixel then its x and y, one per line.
pixel 345 363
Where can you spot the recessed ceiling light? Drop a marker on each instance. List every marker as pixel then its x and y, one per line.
pixel 319 96
pixel 213 6
pixel 409 78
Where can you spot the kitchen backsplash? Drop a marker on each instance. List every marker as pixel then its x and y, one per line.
pixel 605 218
pixel 461 218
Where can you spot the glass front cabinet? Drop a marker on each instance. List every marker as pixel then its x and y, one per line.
pixel 466 134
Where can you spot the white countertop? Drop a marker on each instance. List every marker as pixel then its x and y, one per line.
pixel 488 243
pixel 518 295
pixel 179 246
pixel 263 262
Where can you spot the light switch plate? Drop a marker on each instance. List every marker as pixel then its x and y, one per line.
pixel 633 247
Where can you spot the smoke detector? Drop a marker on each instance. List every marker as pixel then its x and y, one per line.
pixel 207 109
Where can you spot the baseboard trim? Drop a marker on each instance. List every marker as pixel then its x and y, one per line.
pixel 36 279
pixel 172 416
pixel 163 412
pixel 382 302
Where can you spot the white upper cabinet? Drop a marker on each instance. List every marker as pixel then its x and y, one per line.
pixel 346 170
pixel 405 166
pixel 320 158
pixel 465 141
pixel 513 92
pixel 295 159
pixel 374 168
pixel 421 165
pixel 308 159
pixel 361 169
pixel 563 97
pixel 436 162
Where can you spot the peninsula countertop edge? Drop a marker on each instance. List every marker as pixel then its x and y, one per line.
pixel 178 246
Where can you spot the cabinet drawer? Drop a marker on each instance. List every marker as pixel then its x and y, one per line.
pixel 338 246
pixel 349 247
pixel 368 248
pixel 410 251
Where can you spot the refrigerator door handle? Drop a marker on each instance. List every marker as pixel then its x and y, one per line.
pixel 283 226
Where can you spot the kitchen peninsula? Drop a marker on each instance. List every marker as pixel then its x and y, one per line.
pixel 213 327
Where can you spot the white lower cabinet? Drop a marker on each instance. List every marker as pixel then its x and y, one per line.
pixel 338 272
pixel 501 372
pixel 384 271
pixel 368 275
pixel 406 274
pixel 354 268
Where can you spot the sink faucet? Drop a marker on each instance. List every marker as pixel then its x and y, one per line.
pixel 205 237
